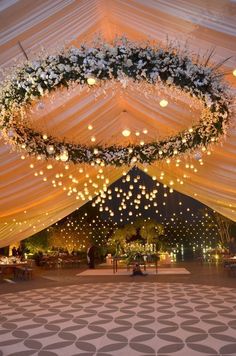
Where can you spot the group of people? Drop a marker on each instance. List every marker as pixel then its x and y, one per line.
pixel 17 252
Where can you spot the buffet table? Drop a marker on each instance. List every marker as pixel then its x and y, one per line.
pixel 16 270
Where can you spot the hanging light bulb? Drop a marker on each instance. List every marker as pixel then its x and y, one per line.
pixel 50 149
pixel 64 156
pixel 126 132
pixel 163 103
pixel 91 80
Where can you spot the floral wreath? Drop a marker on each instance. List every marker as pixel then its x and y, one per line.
pixel 121 61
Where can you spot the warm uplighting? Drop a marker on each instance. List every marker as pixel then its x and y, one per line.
pixel 163 103
pixel 91 81
pixel 126 132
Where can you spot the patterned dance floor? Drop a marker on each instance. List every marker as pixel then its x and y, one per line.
pixel 125 319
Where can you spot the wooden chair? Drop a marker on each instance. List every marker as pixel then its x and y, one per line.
pixel 233 269
pixel 24 272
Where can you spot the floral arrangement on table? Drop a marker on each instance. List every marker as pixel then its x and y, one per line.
pixel 123 62
pixel 136 240
pixel 134 251
pixel 137 248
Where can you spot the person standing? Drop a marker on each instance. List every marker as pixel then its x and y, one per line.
pixel 91 256
pixel 14 252
pixel 232 246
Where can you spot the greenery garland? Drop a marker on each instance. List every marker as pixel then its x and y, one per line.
pixel 118 62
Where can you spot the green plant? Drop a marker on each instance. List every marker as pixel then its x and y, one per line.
pixel 37 242
pixel 139 237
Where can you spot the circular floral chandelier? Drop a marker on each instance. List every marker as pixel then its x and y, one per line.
pixel 121 61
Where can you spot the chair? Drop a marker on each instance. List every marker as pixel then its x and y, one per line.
pixel 24 272
pixel 232 269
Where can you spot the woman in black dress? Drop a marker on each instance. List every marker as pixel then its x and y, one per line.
pixel 91 256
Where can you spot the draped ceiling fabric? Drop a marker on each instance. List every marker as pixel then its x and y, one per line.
pixel 29 204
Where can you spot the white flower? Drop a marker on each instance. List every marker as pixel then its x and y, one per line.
pixel 43 75
pixel 61 67
pixel 140 64
pixel 100 64
pixel 129 63
pixel 52 75
pixel 154 75
pixel 75 51
pixel 36 65
pixel 73 58
pixel 67 68
pixel 100 55
pixel 113 51
pixel 170 80
pixel 39 71
pixel 40 89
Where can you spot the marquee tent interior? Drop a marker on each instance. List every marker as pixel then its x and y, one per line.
pixel 30 201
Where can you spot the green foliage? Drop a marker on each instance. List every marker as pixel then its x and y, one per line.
pixel 38 242
pixel 120 61
pixel 149 230
pixel 119 238
pixel 136 237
